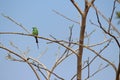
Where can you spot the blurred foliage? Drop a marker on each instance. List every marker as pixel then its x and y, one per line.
pixel 118 16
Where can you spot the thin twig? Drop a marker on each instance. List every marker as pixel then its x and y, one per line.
pixel 112 15
pixel 48 71
pixel 77 7
pixel 12 52
pixel 114 67
pixel 65 17
pixel 97 71
pixel 88 68
pixel 11 19
pixel 98 53
pixel 114 28
pixel 40 70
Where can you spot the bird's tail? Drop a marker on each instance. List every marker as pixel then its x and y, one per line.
pixel 37 45
pixel 37 41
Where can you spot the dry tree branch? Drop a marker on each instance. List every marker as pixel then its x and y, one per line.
pixel 92 45
pixel 107 33
pixel 39 67
pixel 70 38
pixel 88 5
pixel 88 36
pixel 77 7
pixel 9 18
pixel 117 72
pixel 60 60
pixel 42 53
pixel 65 53
pixel 110 20
pixel 82 32
pixel 14 46
pixel 100 43
pixel 102 57
pixel 52 73
pixel 97 53
pixel 100 69
pixel 38 37
pixel 39 64
pixel 65 16
pixel 24 53
pixel 59 42
pixel 55 41
pixel 41 73
pixel 24 59
pixel 88 68
pixel 114 28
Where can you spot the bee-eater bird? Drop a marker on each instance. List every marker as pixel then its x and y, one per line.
pixel 35 33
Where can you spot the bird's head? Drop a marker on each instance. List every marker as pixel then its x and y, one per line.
pixel 34 27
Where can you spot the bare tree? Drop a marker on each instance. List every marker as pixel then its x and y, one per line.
pixel 112 34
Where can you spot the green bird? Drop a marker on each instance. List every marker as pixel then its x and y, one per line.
pixel 118 14
pixel 35 33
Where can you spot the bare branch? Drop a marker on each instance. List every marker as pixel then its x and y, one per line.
pixel 112 15
pixel 109 35
pixel 24 59
pixel 114 28
pixel 88 68
pixel 77 7
pixel 37 63
pixel 39 67
pixel 55 41
pixel 102 58
pixel 65 17
pixel 100 69
pixel 14 46
pixel 9 18
pixel 90 62
pixel 63 56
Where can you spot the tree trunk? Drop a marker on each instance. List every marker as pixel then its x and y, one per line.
pixel 118 73
pixel 80 53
